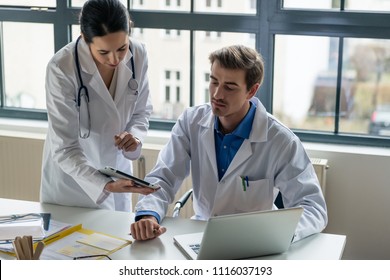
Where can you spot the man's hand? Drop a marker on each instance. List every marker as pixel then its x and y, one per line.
pixel 146 228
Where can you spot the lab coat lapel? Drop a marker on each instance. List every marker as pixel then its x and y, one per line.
pixel 242 155
pixel 124 75
pixel 91 77
pixel 258 134
pixel 207 136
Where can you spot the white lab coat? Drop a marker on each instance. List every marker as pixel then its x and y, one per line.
pixel 70 166
pixel 273 158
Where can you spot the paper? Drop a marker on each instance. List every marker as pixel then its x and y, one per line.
pixel 70 246
pixel 79 250
pixel 102 241
pixel 33 227
pixel 54 228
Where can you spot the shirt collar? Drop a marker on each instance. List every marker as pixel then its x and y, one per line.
pixel 244 128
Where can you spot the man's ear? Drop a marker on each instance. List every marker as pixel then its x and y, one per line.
pixel 253 90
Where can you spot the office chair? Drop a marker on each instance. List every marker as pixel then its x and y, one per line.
pixel 279 201
pixel 180 203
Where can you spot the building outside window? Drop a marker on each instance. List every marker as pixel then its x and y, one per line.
pixel 327 61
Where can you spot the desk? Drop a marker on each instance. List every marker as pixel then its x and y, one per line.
pixel 320 246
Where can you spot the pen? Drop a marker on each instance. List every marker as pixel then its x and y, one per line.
pixel 247 181
pixel 243 183
pixel 154 231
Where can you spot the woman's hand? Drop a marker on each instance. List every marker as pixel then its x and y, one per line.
pixel 127 186
pixel 126 142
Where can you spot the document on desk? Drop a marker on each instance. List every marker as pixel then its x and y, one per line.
pixel 79 242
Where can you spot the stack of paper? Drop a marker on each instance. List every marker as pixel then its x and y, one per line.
pixel 54 228
pixel 20 225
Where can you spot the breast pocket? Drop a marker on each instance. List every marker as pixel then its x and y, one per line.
pixel 253 195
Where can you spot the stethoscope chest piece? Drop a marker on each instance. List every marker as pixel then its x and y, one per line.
pixel 133 85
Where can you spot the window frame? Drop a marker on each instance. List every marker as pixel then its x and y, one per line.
pixel 271 19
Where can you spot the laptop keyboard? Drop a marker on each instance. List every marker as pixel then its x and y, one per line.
pixel 195 248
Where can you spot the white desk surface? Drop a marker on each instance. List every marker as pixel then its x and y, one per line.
pixel 322 246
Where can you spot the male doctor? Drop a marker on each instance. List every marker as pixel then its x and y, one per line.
pixel 230 141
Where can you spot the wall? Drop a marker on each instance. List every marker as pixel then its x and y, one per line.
pixel 357 189
pixel 357 195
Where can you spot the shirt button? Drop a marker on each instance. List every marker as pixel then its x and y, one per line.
pixel 224 147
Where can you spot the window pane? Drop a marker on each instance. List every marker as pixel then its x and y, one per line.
pixel 226 6
pixel 171 55
pixel 305 81
pixel 312 4
pixel 372 5
pixel 204 45
pixel 358 5
pixel 75 31
pixel 80 3
pixel 160 5
pixel 25 60
pixel 366 77
pixel 29 3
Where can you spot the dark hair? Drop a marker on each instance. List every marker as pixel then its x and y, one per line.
pixel 241 57
pixel 101 17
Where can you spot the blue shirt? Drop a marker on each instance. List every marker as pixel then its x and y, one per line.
pixel 227 145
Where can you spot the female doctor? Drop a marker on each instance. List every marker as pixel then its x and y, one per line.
pixel 98 108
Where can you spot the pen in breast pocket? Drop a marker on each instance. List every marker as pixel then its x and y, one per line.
pixel 245 182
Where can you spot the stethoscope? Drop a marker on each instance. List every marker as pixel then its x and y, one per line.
pixel 83 95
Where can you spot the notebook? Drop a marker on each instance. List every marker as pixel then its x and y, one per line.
pixel 241 236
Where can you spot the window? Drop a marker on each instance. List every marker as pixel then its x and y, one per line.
pixel 159 5
pixel 206 97
pixel 327 62
pixel 352 5
pixel 173 106
pixel 20 91
pixel 29 3
pixel 167 94
pixel 177 94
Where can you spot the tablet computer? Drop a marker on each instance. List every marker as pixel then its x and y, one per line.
pixel 112 172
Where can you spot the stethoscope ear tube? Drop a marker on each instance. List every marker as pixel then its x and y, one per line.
pixel 77 61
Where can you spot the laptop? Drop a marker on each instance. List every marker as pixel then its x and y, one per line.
pixel 241 236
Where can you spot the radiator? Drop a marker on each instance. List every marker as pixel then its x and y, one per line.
pixel 20 167
pixel 320 166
